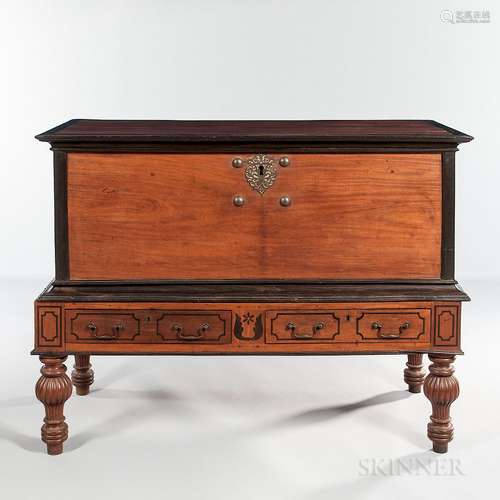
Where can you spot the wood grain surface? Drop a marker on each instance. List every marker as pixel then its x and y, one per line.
pixel 255 328
pixel 158 216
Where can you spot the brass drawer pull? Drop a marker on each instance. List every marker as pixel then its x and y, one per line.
pixel 179 330
pixel 116 329
pixel 378 326
pixel 316 328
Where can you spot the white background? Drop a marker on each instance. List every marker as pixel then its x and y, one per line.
pixel 243 60
pixel 242 427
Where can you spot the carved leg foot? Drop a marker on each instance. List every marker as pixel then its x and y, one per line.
pixel 53 389
pixel 441 388
pixel 82 376
pixel 414 374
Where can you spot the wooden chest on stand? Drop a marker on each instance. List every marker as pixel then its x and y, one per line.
pixel 251 237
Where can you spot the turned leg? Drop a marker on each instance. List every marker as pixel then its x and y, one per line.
pixel 414 374
pixel 441 388
pixel 53 389
pixel 82 376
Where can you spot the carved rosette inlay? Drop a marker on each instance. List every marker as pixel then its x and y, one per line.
pixel 243 329
pixel 414 374
pixel 53 389
pixel 441 388
pixel 248 318
pixel 261 173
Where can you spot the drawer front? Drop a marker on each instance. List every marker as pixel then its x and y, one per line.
pixel 250 327
pixel 197 217
pixel 285 327
pixel 149 326
pixel 399 325
pixel 103 326
pixel 348 326
pixel 194 327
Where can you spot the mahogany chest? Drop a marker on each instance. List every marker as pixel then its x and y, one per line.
pixel 252 237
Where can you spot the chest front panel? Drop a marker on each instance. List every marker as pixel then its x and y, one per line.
pixel 173 216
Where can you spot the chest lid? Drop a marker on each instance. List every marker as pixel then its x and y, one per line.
pixel 260 132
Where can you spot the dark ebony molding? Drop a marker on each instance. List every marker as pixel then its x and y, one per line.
pixel 457 352
pixel 253 131
pixel 197 293
pixel 463 137
pixel 58 128
pixel 448 216
pixel 61 215
pixel 231 282
pixel 221 147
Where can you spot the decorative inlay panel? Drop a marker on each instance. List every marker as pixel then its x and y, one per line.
pixel 248 323
pixel 446 329
pixel 49 327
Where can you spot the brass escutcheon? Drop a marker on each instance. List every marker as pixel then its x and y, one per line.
pixel 261 173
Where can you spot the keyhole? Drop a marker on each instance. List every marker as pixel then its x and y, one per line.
pixel 261 170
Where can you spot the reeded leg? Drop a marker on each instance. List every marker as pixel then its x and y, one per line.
pixel 53 389
pixel 441 388
pixel 82 376
pixel 414 374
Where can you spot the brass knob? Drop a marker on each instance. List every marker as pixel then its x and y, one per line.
pixel 238 201
pixel 284 161
pixel 237 162
pixel 177 328
pixel 285 201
